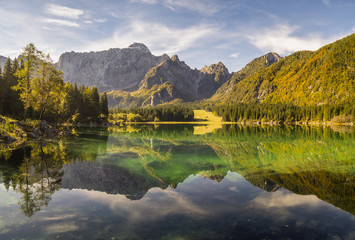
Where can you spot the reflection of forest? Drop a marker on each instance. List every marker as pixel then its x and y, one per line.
pixel 36 170
pixel 130 161
pixel 304 160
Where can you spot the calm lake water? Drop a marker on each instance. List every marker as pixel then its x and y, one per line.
pixel 165 182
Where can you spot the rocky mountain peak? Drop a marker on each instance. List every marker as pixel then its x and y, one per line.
pixel 174 80
pixel 113 69
pixel 139 46
pixel 271 58
pixel 175 58
pixel 215 68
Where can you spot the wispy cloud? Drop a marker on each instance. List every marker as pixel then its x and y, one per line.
pixel 204 7
pixel 46 37
pixel 60 22
pixel 281 39
pixel 326 3
pixel 62 11
pixel 151 2
pixel 100 20
pixel 161 38
pixel 235 55
pixel 88 22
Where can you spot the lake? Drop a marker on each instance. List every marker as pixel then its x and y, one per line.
pixel 167 182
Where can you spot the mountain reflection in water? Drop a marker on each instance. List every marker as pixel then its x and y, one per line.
pixel 160 164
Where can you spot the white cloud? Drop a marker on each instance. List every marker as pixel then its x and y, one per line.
pixel 160 37
pixel 204 7
pixel 88 22
pixel 48 28
pixel 234 55
pixel 62 11
pixel 151 2
pixel 49 37
pixel 281 39
pixel 100 20
pixel 60 22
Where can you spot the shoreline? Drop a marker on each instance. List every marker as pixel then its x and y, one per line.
pixel 255 123
pixel 15 132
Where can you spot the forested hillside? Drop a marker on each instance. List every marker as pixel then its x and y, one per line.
pixel 326 76
pixel 251 68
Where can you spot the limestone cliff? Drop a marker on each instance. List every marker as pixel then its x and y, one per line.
pixel 172 81
pixel 2 62
pixel 113 69
pixel 189 84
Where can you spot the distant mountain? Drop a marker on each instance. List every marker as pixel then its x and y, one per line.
pixel 191 84
pixel 254 66
pixel 133 77
pixel 113 69
pixel 172 81
pixel 2 62
pixel 303 78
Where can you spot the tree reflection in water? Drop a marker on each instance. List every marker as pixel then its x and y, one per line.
pixel 36 170
pixel 303 160
pixel 40 176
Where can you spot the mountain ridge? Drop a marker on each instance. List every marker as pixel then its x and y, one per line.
pixel 303 78
pixel 134 77
pixel 252 67
pixel 113 69
pixel 173 81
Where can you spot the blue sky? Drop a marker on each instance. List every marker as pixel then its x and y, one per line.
pixel 201 32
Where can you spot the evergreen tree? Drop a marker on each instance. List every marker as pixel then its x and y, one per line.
pixel 86 105
pixel 16 104
pixel 2 93
pixel 69 106
pixel 104 104
pixel 7 79
pixel 95 101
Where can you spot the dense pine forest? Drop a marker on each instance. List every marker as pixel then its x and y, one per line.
pixel 263 112
pixel 150 114
pixel 304 78
pixel 32 87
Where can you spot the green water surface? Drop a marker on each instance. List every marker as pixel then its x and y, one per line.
pixel 165 182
